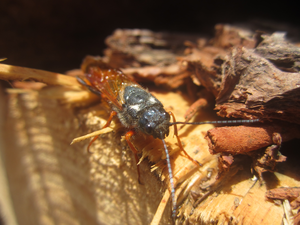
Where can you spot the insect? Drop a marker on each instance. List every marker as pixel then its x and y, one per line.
pixel 137 109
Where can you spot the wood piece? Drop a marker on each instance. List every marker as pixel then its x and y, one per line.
pixel 284 193
pixel 102 187
pixel 136 48
pixel 292 194
pixel 228 36
pixel 52 182
pixel 254 88
pixel 149 56
pixel 283 54
pixel 8 72
pixel 243 139
pixel 206 65
pixel 42 166
pixel 241 204
pixel 7 214
pixel 206 60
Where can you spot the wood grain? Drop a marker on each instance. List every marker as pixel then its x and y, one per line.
pixel 52 182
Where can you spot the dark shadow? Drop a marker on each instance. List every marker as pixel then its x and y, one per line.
pixel 270 180
pixel 290 149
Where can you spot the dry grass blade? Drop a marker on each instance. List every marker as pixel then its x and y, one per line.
pixel 9 72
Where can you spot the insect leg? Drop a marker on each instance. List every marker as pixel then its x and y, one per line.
pixel 108 122
pixel 128 135
pixel 179 142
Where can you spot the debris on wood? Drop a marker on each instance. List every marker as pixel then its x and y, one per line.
pixel 284 55
pixel 245 74
pixel 292 194
pixel 261 142
pixel 254 88
pixel 243 139
pixel 149 56
pixel 236 67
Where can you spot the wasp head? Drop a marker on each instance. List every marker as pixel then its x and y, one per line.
pixel 156 122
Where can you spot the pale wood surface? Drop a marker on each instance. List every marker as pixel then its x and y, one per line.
pixel 55 183
pixel 52 182
pixel 6 207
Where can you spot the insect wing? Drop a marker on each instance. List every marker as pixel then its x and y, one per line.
pixel 109 82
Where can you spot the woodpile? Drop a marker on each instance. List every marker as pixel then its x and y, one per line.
pixel 245 177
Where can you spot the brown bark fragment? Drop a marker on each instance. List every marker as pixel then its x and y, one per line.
pixel 243 139
pixel 248 140
pixel 144 47
pixel 254 88
pixel 205 61
pixel 292 194
pixel 208 75
pixel 266 160
pixel 226 165
pixel 281 53
pixel 227 36
pixel 283 193
pixel 149 56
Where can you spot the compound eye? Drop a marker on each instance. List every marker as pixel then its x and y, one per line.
pixel 146 125
pixel 149 128
pixel 147 122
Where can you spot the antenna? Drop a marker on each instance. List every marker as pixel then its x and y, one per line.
pixel 218 122
pixel 171 179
